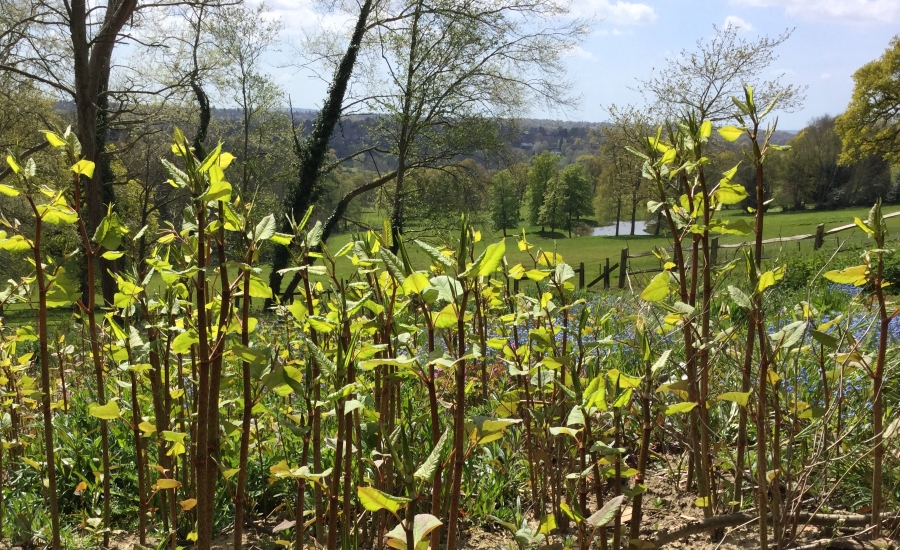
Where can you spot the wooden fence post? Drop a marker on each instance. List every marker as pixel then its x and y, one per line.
pixel 820 237
pixel 623 267
pixel 714 252
pixel 606 276
pixel 581 276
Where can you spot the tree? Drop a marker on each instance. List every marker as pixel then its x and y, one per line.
pixel 630 129
pixel 593 167
pixel 67 49
pixel 504 202
pixel 810 172
pixel 579 194
pixel 553 212
pixel 568 197
pixel 519 174
pixel 705 80
pixel 305 189
pixel 871 124
pixel 242 36
pixel 543 170
pixel 453 69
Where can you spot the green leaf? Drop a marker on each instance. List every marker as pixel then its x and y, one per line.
pixel 824 338
pixel 183 342
pixel 548 524
pixel 623 381
pixel 636 490
pixel 607 513
pixel 16 243
pixel 112 255
pixel 9 191
pixel 766 280
pixel 265 229
pixel 680 408
pixel 57 212
pixel 416 283
pixel 84 167
pixel 730 193
pixel 110 411
pixel 283 239
pixel 856 275
pixel 730 133
pixel 423 525
pixel 491 259
pixel 863 225
pixel 789 334
pixel 298 310
pixel 658 288
pixel 483 429
pixel 53 139
pixel 427 469
pixel 576 417
pixel 623 399
pixel 737 397
pixel 739 297
pixel 434 253
pixel 110 232
pixel 210 159
pixel 573 514
pixel 374 500
pixel 561 430
pixel 448 288
pixel 63 292
pixel 661 362
pixel 259 288
pixel 219 188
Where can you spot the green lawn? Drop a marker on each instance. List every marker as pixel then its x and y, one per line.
pixel 593 251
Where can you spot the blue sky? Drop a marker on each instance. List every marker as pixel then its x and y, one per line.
pixel 832 38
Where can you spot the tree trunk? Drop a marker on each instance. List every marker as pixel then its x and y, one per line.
pixel 633 212
pixel 91 69
pixel 311 154
pixel 618 213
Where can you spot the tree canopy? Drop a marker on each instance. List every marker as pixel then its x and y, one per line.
pixel 871 124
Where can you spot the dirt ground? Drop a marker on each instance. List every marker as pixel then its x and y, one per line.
pixel 667 506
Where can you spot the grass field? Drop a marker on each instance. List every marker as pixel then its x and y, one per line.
pixel 593 251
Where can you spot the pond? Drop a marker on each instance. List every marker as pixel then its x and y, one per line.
pixel 640 228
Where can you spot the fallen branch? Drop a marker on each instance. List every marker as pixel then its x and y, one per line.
pixel 664 537
pixel 843 544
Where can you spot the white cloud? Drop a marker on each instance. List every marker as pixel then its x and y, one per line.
pixel 581 53
pixel 299 15
pixel 843 11
pixel 825 76
pixel 618 13
pixel 735 21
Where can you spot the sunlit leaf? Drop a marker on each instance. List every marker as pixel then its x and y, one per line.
pixel 680 408
pixel 658 288
pixel 730 133
pixel 374 500
pixel 110 411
